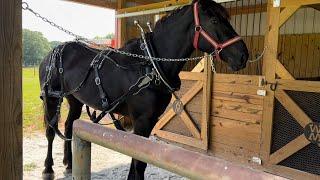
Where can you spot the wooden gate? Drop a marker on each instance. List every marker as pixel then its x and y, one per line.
pixel 186 119
pixel 290 109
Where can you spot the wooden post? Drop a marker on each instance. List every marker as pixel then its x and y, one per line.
pixel 10 90
pixel 206 102
pixel 269 68
pixel 81 159
pixel 121 26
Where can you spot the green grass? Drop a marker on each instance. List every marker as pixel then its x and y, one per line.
pixel 29 167
pixel 32 104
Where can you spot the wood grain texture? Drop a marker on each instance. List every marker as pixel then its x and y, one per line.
pixel 10 90
pixel 269 70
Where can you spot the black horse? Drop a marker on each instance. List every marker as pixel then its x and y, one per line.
pixel 174 36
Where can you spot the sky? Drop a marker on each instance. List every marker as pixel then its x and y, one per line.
pixel 84 20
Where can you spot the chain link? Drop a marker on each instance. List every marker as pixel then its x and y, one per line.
pixel 25 6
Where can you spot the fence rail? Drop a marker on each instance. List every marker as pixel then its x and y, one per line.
pixel 175 159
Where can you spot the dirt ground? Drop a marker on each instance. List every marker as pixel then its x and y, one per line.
pixel 106 164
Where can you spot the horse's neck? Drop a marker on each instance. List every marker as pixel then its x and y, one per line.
pixel 175 41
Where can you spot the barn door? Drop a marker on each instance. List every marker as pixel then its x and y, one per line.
pixel 186 118
pixel 291 124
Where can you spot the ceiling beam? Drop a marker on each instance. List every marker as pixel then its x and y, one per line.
pixel 285 3
pixel 153 6
pixel 99 3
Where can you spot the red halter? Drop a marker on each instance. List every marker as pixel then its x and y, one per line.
pixel 199 31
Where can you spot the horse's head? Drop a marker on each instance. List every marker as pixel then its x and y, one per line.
pixel 214 34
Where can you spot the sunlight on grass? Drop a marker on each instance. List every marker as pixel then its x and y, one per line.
pixel 32 104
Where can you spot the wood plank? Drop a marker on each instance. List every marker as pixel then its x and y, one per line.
pixel 282 72
pixel 309 58
pixel 238 106
pixel 236 79
pixel 286 13
pixel 293 108
pixel 195 76
pixel 235 88
pixel 190 124
pixel 99 3
pixel 306 86
pixel 290 172
pixel 269 70
pixel 236 115
pixel 289 149
pixel 192 92
pixel 316 70
pixel 153 6
pixel 180 138
pixel 165 119
pixel 242 131
pixel 206 104
pixel 11 90
pixel 185 99
pixel 285 3
pixel 199 67
pixel 238 97
pixel 298 58
pixel 304 54
pixel 232 153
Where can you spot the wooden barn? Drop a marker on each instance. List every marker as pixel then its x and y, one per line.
pixel 266 116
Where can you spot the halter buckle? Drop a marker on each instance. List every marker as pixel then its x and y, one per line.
pixel 198 28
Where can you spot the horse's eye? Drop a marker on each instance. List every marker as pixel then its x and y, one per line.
pixel 214 20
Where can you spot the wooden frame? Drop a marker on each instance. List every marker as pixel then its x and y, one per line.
pixel 273 67
pixel 200 138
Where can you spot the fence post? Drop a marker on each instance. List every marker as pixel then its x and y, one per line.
pixel 81 159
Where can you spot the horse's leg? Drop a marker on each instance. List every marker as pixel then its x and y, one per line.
pixel 142 127
pixel 50 110
pixel 74 113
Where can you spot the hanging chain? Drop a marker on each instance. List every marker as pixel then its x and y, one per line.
pixel 25 6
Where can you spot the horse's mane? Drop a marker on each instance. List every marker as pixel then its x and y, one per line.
pixel 209 6
pixel 214 8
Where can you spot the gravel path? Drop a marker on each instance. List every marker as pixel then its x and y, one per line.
pixel 106 164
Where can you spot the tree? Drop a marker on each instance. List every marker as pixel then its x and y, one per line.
pixel 54 44
pixel 108 36
pixel 35 47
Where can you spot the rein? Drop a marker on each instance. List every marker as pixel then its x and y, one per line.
pixel 200 31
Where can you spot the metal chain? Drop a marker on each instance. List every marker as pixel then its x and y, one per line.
pixel 25 6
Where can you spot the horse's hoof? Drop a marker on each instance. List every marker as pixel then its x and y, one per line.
pixel 48 176
pixel 67 172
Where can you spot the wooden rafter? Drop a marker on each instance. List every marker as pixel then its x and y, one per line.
pixel 286 13
pixel 286 3
pixel 99 3
pixel 153 6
